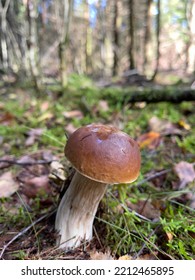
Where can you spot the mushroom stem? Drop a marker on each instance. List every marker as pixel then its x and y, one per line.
pixel 77 209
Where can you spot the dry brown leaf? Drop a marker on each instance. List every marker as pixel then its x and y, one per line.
pixel 44 106
pixel 163 127
pixel 6 118
pixel 184 124
pixel 95 255
pixel 151 256
pixel 125 257
pixel 185 172
pixel 36 186
pixel 5 164
pixel 70 128
pixel 150 140
pixel 57 170
pixel 45 116
pixel 103 105
pixel 145 208
pixel 8 185
pixel 33 135
pixel 73 114
pixel 169 236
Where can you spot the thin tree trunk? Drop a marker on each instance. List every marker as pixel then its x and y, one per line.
pixel 68 8
pixel 131 35
pixel 147 35
pixel 158 27
pixel 150 95
pixel 88 42
pixel 116 37
pixel 32 43
pixel 4 46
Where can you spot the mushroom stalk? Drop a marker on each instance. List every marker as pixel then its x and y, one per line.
pixel 77 209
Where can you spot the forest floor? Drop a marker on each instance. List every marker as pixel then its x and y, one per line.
pixel 152 218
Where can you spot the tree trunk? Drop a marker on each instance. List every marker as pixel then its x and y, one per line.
pixel 32 43
pixel 3 33
pixel 116 37
pixel 150 95
pixel 68 8
pixel 88 42
pixel 131 35
pixel 158 26
pixel 147 35
pixel 191 47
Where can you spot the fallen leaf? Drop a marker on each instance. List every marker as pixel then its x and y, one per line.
pixel 150 140
pixel 73 114
pixel 125 257
pixel 44 106
pixel 3 163
pixel 185 172
pixel 103 105
pixel 57 170
pixel 6 118
pixel 36 186
pixel 169 236
pixel 164 127
pixel 151 256
pixel 95 255
pixel 26 159
pixel 70 128
pixel 144 208
pixel 33 135
pixel 184 124
pixel 45 116
pixel 8 185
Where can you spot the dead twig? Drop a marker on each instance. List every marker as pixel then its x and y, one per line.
pixel 16 162
pixel 157 174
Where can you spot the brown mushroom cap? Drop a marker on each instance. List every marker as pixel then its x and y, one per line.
pixel 104 153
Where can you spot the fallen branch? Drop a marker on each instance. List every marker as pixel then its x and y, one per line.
pixel 25 163
pixel 149 94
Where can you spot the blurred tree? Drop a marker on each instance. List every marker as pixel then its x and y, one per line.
pixel 32 43
pixel 67 16
pixel 4 44
pixel 147 33
pixel 131 34
pixel 116 25
pixel 158 27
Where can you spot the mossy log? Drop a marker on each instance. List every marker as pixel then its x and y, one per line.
pixel 150 95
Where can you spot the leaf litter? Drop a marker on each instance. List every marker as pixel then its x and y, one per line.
pixel 33 179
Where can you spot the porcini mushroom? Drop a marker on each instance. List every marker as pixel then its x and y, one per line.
pixel 101 155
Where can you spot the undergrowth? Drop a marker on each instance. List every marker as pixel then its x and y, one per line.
pixel 120 226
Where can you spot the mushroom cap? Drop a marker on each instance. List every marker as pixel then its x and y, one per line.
pixel 103 153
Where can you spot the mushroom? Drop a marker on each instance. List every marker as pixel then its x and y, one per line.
pixel 101 155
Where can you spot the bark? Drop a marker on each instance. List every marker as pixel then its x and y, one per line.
pixel 131 35
pixel 3 32
pixel 116 37
pixel 158 27
pixel 88 42
pixel 147 35
pixel 68 8
pixel 32 43
pixel 151 95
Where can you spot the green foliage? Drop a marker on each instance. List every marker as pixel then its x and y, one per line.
pixel 180 224
pixel 188 143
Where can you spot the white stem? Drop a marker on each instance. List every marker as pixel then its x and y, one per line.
pixel 77 209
